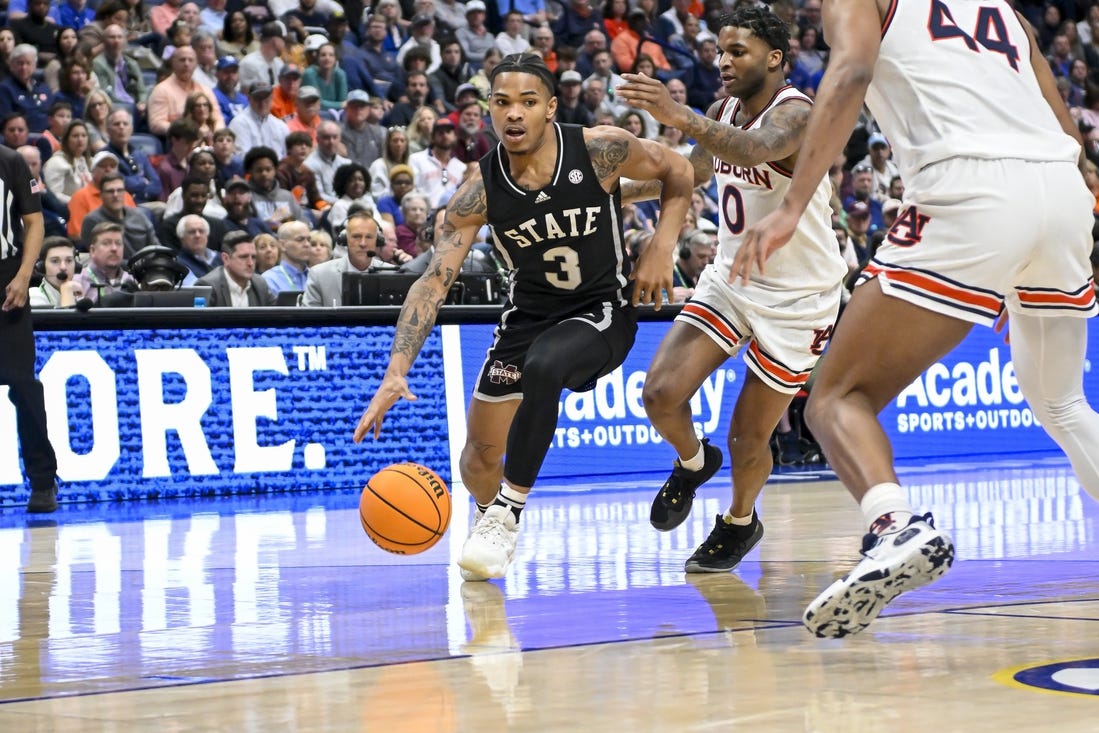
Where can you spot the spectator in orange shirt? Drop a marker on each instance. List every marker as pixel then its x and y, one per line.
pixel 627 44
pixel 307 117
pixel 286 92
pixel 88 198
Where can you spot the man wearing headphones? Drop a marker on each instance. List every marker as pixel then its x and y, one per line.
pixel 696 250
pixel 59 288
pixel 324 286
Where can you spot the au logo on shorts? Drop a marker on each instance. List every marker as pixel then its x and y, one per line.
pixel 500 374
pixel 1073 677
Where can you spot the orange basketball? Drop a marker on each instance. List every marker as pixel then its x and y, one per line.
pixel 405 508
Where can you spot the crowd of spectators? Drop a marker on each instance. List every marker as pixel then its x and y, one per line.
pixel 181 123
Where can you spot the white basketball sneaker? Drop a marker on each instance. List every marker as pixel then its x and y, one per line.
pixel 892 564
pixel 469 575
pixel 491 545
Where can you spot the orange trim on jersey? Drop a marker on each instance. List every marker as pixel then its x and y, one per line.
pixel 712 321
pixel 889 13
pixel 946 291
pixel 1083 299
pixel 776 370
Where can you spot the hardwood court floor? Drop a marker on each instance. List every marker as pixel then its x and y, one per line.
pixel 276 614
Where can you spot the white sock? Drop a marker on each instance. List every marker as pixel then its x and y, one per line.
pixel 695 462
pixel 885 508
pixel 512 499
pixel 738 521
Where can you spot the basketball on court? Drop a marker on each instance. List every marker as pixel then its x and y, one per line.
pixel 405 508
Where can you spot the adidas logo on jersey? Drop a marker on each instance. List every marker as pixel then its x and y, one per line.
pixel 542 198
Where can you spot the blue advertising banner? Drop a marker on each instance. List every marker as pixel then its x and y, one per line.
pixel 184 412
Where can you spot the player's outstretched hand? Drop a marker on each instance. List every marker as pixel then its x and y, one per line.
pixel 392 388
pixel 772 231
pixel 651 277
pixel 651 95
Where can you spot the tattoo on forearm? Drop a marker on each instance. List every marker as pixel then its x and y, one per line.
pixel 414 324
pixel 641 190
pixel 782 128
pixel 607 155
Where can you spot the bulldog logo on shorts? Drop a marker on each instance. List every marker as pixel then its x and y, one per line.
pixel 500 374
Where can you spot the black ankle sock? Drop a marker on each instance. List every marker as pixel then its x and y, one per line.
pixel 512 499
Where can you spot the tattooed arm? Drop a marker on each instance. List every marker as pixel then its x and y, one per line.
pixel 702 163
pixel 465 215
pixel 615 154
pixel 777 138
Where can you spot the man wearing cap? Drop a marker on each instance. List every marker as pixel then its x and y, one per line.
pixel 265 63
pixel 881 165
pixel 86 198
pixel 307 112
pixel 236 196
pixel 569 109
pixel 474 36
pixel 116 207
pixel 118 74
pixel 438 172
pixel 227 91
pixel 256 126
pixel 326 159
pixel 857 216
pixel 306 16
pixel 363 140
pixel 235 283
pixel 168 98
pixel 286 91
pixel 862 189
pixel 421 34
pixel 142 179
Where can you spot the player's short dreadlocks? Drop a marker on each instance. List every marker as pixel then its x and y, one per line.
pixel 763 24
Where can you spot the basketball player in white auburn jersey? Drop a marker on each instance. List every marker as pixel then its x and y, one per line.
pixel 780 319
pixel 551 196
pixel 995 214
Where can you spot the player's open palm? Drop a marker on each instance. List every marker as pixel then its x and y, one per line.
pixel 392 388
pixel 760 240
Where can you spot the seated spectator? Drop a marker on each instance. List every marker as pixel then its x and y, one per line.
pixel 324 285
pixel 414 209
pixel 236 283
pixel 307 117
pixel 73 14
pixel 206 58
pixel 437 171
pixel 87 197
pixel 137 228
pixel 326 77
pixel 363 140
pixel 193 233
pixel 60 115
pixel 237 38
pixel 168 98
pixel 268 252
pixel 513 39
pixel 229 97
pixel 236 196
pixel 212 17
pixel 274 204
pixel 172 167
pixel 54 212
pixel 378 55
pixel 401 179
pixel 199 109
pixel 229 164
pixel 256 127
pixel 97 109
pixel 142 179
pixel 697 249
pixel 13 128
pixel 103 273
pixel 285 97
pixel 196 192
pixel 474 36
pixel 350 183
pixel 453 72
pixel 293 175
pixel 19 92
pixel 37 31
pixel 421 34
pixel 179 35
pixel 67 53
pixel 395 152
pixel 325 160
pixel 202 165
pixel 163 15
pixel 69 169
pixel 60 287
pixel 407 111
pixel 265 63
pixel 320 242
pixel 292 272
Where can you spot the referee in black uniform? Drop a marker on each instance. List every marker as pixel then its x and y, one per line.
pixel 21 231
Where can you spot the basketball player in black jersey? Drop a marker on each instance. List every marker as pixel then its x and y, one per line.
pixel 550 194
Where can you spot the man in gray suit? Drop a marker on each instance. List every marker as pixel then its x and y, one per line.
pixel 325 284
pixel 235 283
